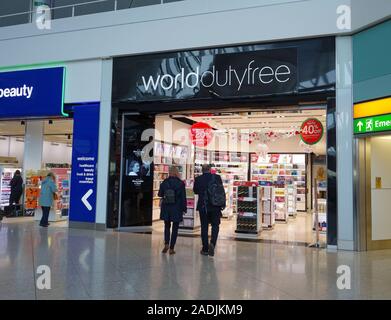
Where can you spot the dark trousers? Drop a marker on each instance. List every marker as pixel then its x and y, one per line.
pixel 174 234
pixel 207 218
pixel 45 215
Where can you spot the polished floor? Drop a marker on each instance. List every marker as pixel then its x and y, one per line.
pixel 297 230
pixel 110 265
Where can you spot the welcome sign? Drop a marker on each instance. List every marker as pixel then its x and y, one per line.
pixel 225 75
pixel 35 93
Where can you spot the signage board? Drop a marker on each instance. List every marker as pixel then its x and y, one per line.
pixel 222 75
pixel 372 124
pixel 84 164
pixel 35 93
pixel 311 131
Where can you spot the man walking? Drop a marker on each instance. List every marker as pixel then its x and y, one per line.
pixel 211 201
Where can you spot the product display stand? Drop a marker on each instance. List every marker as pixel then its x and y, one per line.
pixel 191 220
pixel 291 200
pixel 249 206
pixel 267 206
pixel 321 202
pixel 280 204
pixel 317 243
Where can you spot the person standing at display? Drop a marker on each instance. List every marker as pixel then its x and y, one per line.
pixel 16 185
pixel 172 206
pixel 209 214
pixel 47 196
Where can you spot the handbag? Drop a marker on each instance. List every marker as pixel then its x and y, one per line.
pixel 55 196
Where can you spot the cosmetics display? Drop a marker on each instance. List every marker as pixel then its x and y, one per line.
pixel 283 170
pixel 6 175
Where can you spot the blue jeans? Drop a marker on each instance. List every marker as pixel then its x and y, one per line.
pixel 174 234
pixel 207 218
pixel 45 216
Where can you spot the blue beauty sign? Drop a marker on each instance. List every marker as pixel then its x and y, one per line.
pixel 84 163
pixel 34 93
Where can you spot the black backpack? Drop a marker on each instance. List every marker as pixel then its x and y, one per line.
pixel 169 195
pixel 215 193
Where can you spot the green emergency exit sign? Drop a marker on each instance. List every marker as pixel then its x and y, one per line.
pixel 372 124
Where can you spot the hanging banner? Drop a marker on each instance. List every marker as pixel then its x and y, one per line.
pixel 311 131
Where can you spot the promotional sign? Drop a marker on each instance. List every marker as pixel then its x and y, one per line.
pixel 372 124
pixel 311 131
pixel 84 164
pixel 33 93
pixel 220 75
pixel 201 134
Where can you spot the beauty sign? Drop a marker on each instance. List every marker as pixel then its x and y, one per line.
pixel 201 134
pixel 311 131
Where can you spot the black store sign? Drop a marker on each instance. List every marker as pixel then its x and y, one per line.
pixel 225 75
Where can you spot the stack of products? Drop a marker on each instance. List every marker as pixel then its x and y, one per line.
pixel 32 191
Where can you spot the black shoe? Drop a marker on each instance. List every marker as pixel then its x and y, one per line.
pixel 204 253
pixel 211 251
pixel 44 225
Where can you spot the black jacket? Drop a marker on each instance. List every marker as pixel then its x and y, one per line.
pixel 16 185
pixel 173 212
pixel 200 187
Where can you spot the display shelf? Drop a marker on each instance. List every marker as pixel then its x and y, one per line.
pixel 249 214
pixel 6 175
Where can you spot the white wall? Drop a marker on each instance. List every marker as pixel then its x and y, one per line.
pixel 56 153
pixel 83 81
pixel 203 23
pixel 380 167
pixel 60 153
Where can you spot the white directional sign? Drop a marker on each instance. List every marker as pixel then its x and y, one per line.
pixel 85 201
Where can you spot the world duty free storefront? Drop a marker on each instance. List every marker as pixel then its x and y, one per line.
pixel 262 115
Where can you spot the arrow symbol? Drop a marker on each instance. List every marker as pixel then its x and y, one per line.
pixel 84 199
pixel 360 125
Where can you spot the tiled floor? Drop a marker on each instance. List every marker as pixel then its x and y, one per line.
pixel 111 265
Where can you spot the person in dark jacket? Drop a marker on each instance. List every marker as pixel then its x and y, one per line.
pixel 16 185
pixel 172 213
pixel 208 214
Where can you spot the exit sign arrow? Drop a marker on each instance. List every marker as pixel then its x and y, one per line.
pixel 360 125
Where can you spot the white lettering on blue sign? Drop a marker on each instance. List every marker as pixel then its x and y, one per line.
pixel 24 91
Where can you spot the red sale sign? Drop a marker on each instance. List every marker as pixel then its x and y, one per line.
pixel 311 131
pixel 201 134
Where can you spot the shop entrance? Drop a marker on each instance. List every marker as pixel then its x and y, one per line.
pixel 35 147
pixel 374 186
pixel 255 151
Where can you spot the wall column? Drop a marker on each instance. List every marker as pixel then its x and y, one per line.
pixel 344 108
pixel 104 142
pixel 33 146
